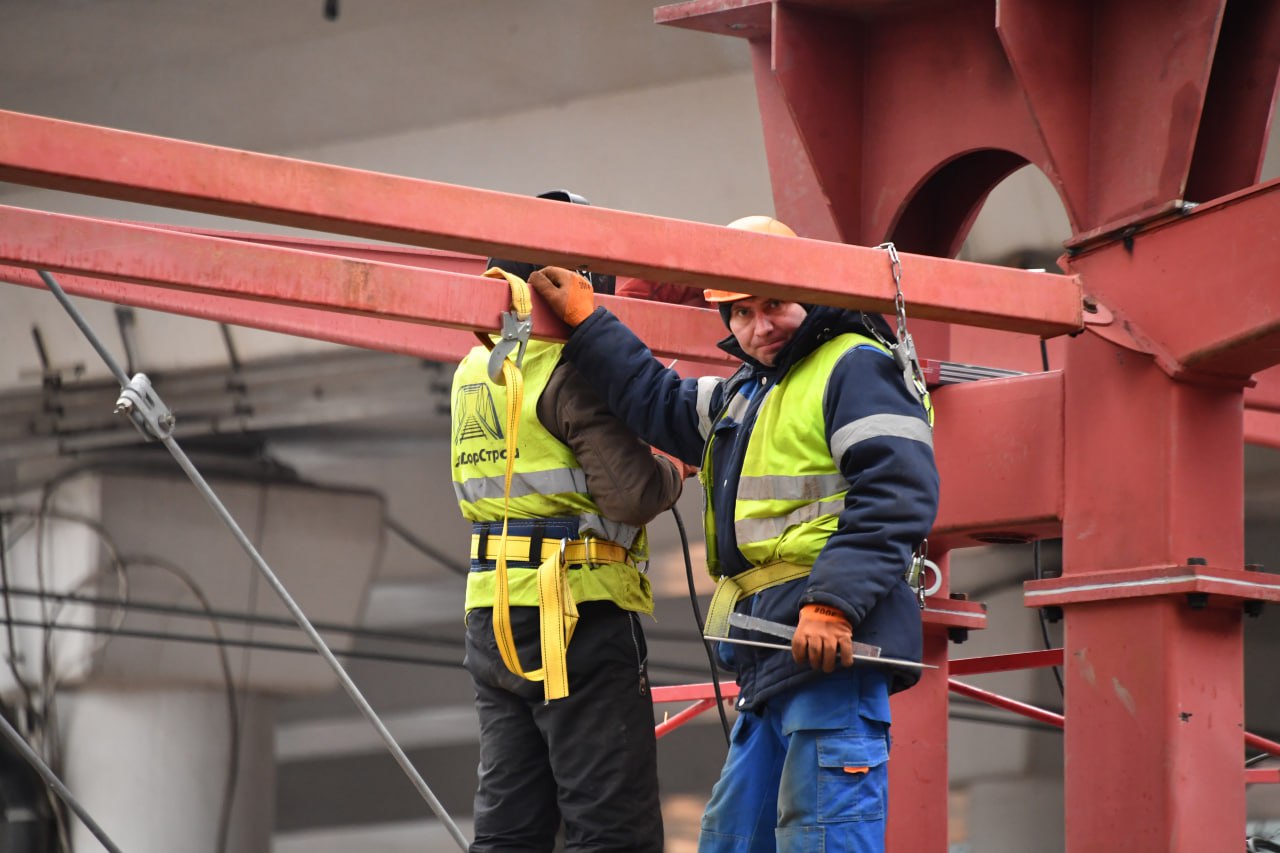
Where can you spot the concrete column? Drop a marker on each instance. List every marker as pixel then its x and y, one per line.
pixel 151 766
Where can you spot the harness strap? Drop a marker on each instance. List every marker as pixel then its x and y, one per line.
pixel 576 551
pixel 557 612
pixel 732 589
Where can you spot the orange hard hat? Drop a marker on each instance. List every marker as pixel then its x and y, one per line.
pixel 761 225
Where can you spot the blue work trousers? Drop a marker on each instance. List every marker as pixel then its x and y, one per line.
pixel 809 774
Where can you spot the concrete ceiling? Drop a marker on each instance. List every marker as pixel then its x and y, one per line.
pixel 278 75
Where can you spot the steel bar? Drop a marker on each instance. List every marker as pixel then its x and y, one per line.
pixel 687 692
pixel 995 699
pixel 1268 746
pixel 671 723
pixel 135 167
pixel 1005 663
pixel 1231 329
pixel 1000 485
pixel 262 278
pixel 38 764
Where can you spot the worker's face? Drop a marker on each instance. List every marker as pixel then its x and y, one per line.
pixel 763 326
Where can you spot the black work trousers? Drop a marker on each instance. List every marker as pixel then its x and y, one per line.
pixel 589 758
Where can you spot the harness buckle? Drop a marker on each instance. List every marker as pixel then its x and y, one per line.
pixel 514 336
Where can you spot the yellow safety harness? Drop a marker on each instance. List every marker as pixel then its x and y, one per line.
pixel 557 611
pixel 732 589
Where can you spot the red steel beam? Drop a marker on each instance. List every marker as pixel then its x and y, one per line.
pixel 1000 484
pixel 136 167
pixel 1005 703
pixel 1200 288
pixel 670 724
pixel 375 333
pixel 688 692
pixel 1268 746
pixel 262 278
pixel 1263 776
pixel 1005 663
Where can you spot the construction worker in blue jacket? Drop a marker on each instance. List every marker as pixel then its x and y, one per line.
pixel 557 491
pixel 817 461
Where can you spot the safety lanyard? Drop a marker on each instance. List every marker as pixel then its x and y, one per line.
pixel 557 611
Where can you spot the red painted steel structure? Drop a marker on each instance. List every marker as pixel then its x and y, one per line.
pixel 889 120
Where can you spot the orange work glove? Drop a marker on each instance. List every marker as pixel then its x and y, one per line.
pixel 823 636
pixel 569 294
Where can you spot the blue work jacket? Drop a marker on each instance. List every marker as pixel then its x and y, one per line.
pixel 893 480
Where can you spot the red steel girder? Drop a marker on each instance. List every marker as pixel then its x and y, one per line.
pixel 152 170
pixel 400 309
pixel 1199 291
pixel 1006 662
pixel 248 284
pixel 897 118
pixel 1154 475
pixel 1005 483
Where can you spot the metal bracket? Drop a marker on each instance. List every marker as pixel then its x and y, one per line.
pixel 515 333
pixel 144 407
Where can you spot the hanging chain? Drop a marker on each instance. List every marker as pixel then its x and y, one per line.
pixel 904 349
pixel 899 301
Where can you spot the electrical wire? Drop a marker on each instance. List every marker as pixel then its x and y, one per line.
pixel 697 615
pixel 409 537
pixel 233 616
pixel 202 639
pixel 28 707
pixel 1035 558
pixel 1037 573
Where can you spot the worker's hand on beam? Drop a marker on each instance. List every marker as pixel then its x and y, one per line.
pixel 569 294
pixel 823 637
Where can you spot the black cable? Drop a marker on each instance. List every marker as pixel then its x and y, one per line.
pixel 1035 557
pixel 697 615
pixel 248 644
pixel 1044 619
pixel 225 615
pixel 439 556
pixel 27 704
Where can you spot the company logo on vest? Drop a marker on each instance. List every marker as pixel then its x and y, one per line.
pixel 475 415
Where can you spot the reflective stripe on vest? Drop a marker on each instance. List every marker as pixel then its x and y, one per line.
pixel 548 482
pixel 789 517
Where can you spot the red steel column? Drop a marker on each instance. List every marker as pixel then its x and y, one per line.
pixel 1154 684
pixel 918 760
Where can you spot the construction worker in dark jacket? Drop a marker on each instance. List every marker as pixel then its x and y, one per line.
pixel 581 488
pixel 817 461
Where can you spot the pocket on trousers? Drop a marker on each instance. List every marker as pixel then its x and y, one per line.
pixel 853 776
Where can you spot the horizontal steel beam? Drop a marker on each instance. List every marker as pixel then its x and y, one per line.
pixel 381 306
pixel 134 167
pixel 1200 288
pixel 999 444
